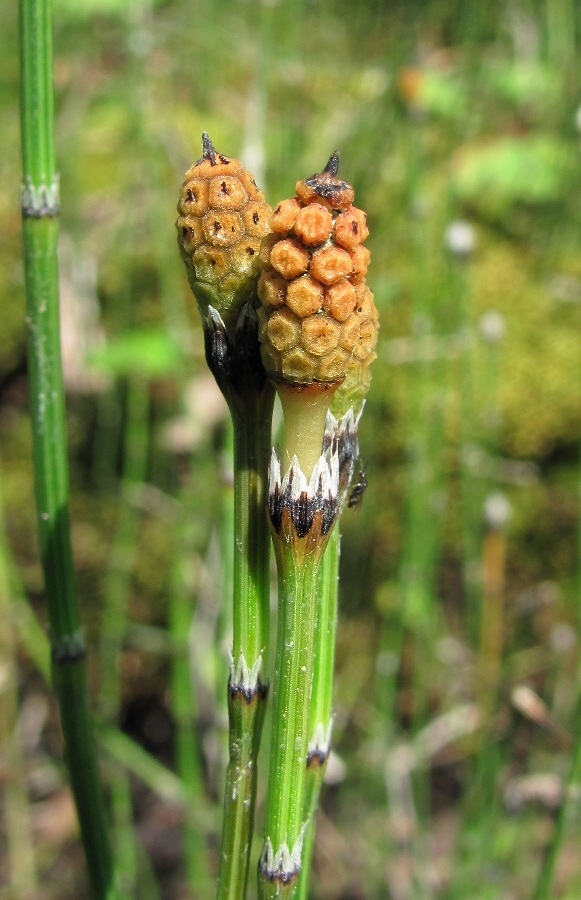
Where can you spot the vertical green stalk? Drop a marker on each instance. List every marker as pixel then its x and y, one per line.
pixel 302 515
pixel 40 211
pixel 252 448
pixel 247 690
pixel 281 857
pixel 114 620
pixel 184 707
pixel 321 707
pixel 228 309
pixel 224 618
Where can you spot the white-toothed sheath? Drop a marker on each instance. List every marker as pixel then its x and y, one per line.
pixel 302 515
pixel 344 434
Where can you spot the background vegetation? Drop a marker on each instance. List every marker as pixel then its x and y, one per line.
pixel 457 659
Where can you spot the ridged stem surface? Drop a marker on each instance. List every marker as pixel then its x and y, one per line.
pixel 321 707
pixel 298 562
pixel 290 723
pixel 40 233
pixel 247 689
pixel 252 448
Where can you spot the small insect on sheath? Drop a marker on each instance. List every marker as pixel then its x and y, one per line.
pixel 358 489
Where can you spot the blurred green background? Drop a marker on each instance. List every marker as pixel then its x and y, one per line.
pixel 459 125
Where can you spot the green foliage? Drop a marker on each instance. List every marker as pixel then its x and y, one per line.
pixel 486 131
pixel 493 178
pixel 143 353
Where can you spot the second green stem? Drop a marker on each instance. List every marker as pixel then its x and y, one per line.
pixel 247 688
pixel 285 822
pixel 321 707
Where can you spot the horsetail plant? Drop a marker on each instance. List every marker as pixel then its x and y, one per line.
pixel 318 328
pixel 284 303
pixel 223 219
pixel 40 223
pixel 348 404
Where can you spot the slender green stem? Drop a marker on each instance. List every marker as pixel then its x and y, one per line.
pixel 252 448
pixel 285 813
pixel 184 702
pixel 246 717
pixel 114 620
pixel 321 710
pixel 77 726
pixel 188 751
pixel 303 514
pixel 37 97
pixel 224 621
pixel 40 232
pixel 246 688
pixel 125 838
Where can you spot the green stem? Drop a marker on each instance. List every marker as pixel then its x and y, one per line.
pixel 251 612
pixel 321 701
pixel 252 448
pixel 40 232
pixel 285 815
pixel 125 838
pixel 299 554
pixel 188 751
pixel 302 515
pixel 37 97
pixel 114 619
pixel 77 726
pixel 223 631
pixel 246 717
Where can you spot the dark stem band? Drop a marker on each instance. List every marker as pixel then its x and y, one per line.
pixel 248 694
pixel 69 648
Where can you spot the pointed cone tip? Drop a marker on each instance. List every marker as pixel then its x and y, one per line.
pixel 332 167
pixel 208 149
